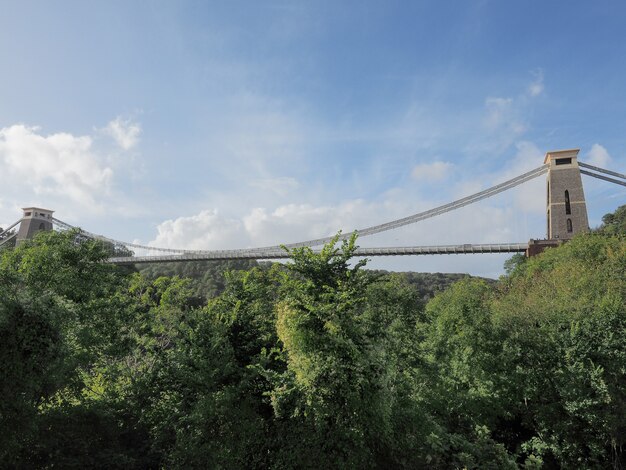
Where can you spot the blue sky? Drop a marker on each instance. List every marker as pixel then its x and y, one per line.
pixel 231 124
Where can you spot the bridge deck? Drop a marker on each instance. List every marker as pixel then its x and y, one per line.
pixel 381 251
pixel 161 254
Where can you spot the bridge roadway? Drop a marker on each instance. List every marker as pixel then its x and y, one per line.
pixel 161 254
pixel 279 252
pixel 282 254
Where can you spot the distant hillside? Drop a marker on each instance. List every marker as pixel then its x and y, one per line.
pixel 208 276
pixel 428 284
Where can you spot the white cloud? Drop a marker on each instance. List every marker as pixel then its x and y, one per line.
pixel 297 222
pixel 125 132
pixel 259 227
pixel 205 230
pixel 598 156
pixel 485 222
pixel 514 216
pixel 57 164
pixel 435 171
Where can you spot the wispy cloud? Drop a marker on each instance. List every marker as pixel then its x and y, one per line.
pixel 270 141
pixel 598 156
pixel 500 112
pixel 125 132
pixel 280 185
pixel 507 119
pixel 536 86
pixel 435 171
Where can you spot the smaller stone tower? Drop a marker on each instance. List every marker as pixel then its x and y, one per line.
pixel 34 220
pixel 566 207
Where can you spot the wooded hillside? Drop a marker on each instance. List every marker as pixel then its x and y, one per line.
pixel 320 364
pixel 207 278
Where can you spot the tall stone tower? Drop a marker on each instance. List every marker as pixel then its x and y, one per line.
pixel 566 208
pixel 34 220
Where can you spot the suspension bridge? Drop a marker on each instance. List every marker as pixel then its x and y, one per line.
pixel 566 215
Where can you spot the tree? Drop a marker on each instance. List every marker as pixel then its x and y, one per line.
pixel 316 363
pixel 335 399
pixel 463 372
pixel 56 319
pixel 614 223
pixel 564 318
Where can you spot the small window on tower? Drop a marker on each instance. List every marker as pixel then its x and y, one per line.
pixel 568 207
pixel 569 226
pixel 27 213
pixel 563 161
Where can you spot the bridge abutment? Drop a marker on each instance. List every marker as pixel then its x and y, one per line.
pixel 538 246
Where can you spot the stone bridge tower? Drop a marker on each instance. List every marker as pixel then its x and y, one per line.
pixel 566 207
pixel 34 220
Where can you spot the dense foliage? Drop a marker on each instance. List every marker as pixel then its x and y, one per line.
pixel 206 278
pixel 320 364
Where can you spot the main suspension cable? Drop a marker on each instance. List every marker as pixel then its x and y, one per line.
pixel 11 226
pixel 602 177
pixel 361 233
pixel 8 239
pixel 429 213
pixel 601 170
